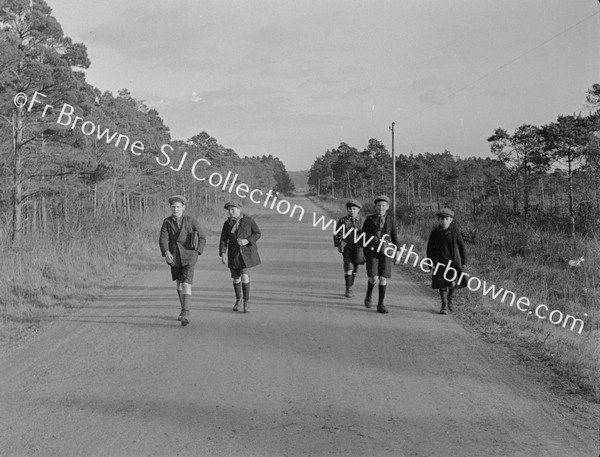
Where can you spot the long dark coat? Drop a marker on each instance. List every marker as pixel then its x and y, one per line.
pixel 177 241
pixel 239 257
pixel 371 229
pixel 446 246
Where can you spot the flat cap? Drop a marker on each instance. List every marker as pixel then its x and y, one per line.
pixel 382 198
pixel 177 198
pixel 353 202
pixel 232 203
pixel 445 212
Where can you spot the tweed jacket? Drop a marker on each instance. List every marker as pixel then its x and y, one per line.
pixel 177 241
pixel 339 240
pixel 371 229
pixel 239 257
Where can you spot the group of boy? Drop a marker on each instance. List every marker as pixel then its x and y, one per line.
pixel 182 240
pixel 364 241
pixel 361 241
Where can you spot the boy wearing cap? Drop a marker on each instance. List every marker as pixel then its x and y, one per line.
pixel 237 248
pixel 353 253
pixel 176 246
pixel 446 248
pixel 379 229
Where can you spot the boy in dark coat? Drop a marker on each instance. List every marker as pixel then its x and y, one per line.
pixel 446 247
pixel 237 248
pixel 176 246
pixel 352 252
pixel 379 230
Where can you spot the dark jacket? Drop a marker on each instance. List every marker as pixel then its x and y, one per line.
pixel 338 239
pixel 446 246
pixel 371 229
pixel 177 241
pixel 239 257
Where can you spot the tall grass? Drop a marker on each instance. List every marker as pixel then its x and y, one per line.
pixel 534 264
pixel 47 276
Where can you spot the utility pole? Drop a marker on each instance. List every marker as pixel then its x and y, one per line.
pixel 393 173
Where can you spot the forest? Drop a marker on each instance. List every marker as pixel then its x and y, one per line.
pixel 543 176
pixel 76 210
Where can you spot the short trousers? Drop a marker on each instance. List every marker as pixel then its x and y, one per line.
pixel 349 264
pixel 379 266
pixel 237 272
pixel 184 273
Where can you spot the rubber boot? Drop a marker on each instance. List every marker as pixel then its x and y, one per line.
pixel 370 287
pixel 246 293
pixel 237 287
pixel 380 306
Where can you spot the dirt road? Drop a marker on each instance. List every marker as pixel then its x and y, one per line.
pixel 307 372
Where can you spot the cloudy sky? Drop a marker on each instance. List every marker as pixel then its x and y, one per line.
pixel 294 78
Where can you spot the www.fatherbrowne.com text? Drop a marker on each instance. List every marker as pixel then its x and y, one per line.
pixel 271 200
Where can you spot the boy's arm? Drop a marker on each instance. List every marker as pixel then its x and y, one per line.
pixel 201 235
pixel 223 240
pixel 255 235
pixel 430 246
pixel 337 236
pixel 163 240
pixel 461 247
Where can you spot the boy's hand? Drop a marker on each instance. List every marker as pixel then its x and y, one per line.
pixel 169 257
pixel 339 248
pixel 224 258
pixel 243 242
pixel 397 261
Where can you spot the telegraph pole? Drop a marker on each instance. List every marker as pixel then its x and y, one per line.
pixel 393 173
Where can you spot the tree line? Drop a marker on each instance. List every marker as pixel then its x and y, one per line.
pixel 52 176
pixel 537 174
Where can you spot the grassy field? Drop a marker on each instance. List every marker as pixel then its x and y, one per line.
pixel 48 276
pixel 533 264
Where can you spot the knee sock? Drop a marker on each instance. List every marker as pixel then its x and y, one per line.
pixel 450 292
pixel 352 278
pixel 381 292
pixel 370 287
pixel 186 300
pixel 180 298
pixel 237 287
pixel 246 290
pixel 348 279
pixel 444 296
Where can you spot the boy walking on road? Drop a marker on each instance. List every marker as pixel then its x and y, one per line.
pixel 181 241
pixel 353 253
pixel 446 247
pixel 379 229
pixel 237 248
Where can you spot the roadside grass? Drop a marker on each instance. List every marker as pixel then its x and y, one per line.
pixel 533 264
pixel 48 276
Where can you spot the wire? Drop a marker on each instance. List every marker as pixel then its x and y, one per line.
pixel 520 56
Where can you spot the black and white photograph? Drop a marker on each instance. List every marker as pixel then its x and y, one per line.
pixel 284 228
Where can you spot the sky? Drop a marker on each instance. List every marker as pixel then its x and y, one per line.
pixel 295 78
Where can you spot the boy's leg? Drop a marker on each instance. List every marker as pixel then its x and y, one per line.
pixel 186 293
pixel 380 305
pixel 444 297
pixel 450 292
pixel 246 291
pixel 348 277
pixel 385 271
pixel 180 293
pixel 237 287
pixel 372 268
